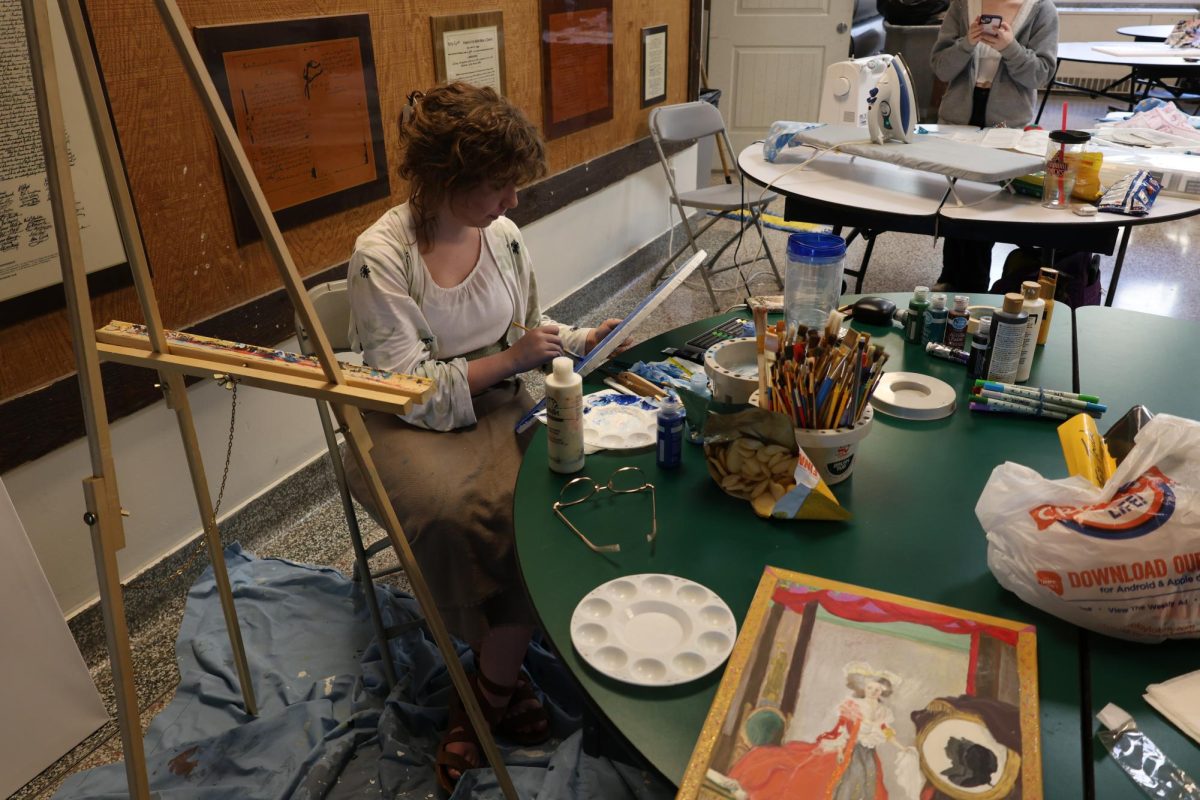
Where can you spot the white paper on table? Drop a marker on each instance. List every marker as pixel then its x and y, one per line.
pixel 1002 138
pixel 1179 701
pixel 50 704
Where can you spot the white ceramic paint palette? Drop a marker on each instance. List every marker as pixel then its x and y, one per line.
pixel 653 630
pixel 615 421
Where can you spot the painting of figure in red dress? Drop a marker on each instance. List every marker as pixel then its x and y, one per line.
pixel 836 692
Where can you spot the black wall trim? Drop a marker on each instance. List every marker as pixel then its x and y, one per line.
pixel 559 191
pixel 45 419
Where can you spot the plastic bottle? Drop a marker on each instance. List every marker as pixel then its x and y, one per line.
pixel 670 432
pixel 977 362
pixel 915 322
pixel 564 417
pixel 957 321
pixel 936 315
pixel 698 385
pixel 812 282
pixel 1008 334
pixel 1034 306
pixel 1048 279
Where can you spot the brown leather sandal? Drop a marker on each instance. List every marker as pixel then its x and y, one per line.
pixel 526 727
pixel 458 731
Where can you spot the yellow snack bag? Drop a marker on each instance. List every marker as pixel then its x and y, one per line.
pixel 1087 175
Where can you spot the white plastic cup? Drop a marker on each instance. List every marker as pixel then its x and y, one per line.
pixel 832 450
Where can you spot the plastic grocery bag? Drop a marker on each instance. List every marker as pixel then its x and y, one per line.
pixel 1124 559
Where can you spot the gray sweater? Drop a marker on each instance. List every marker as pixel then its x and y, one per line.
pixel 1025 66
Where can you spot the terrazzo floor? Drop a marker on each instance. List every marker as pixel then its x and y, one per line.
pixel 302 519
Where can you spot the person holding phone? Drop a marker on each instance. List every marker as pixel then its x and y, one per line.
pixel 994 55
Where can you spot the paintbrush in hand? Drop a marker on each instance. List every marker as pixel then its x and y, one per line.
pixel 566 352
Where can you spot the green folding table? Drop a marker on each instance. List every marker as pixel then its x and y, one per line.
pixel 912 492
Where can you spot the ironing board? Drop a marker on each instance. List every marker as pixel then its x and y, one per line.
pixel 927 153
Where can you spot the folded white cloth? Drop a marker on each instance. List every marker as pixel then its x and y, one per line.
pixel 1179 701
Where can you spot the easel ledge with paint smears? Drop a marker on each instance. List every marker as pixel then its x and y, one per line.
pixel 129 343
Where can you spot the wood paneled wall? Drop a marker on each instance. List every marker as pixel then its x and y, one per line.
pixel 173 168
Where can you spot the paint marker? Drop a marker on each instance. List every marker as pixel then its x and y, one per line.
pixel 1039 393
pixel 1029 402
pixel 1001 407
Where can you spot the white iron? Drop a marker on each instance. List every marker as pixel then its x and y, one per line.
pixel 892 104
pixel 847 84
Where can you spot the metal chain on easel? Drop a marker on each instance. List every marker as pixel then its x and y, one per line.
pixel 230 383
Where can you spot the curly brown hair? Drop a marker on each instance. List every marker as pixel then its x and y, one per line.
pixel 457 136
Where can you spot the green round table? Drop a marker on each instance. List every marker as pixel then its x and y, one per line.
pixel 914 532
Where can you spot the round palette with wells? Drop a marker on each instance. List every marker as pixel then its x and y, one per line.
pixel 614 421
pixel 653 630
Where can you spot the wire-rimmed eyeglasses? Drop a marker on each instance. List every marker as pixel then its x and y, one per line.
pixel 626 480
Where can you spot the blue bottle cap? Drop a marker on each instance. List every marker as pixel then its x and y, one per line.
pixel 815 245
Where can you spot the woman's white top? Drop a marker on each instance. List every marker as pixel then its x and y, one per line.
pixel 472 315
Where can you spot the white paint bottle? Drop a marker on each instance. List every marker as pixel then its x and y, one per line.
pixel 564 417
pixel 1035 307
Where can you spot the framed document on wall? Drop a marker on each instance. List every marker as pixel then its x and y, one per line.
pixel 469 48
pixel 303 97
pixel 577 64
pixel 654 65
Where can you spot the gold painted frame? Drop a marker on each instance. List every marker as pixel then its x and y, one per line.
pixel 729 706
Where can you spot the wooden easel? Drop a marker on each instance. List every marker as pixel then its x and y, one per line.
pixel 104 511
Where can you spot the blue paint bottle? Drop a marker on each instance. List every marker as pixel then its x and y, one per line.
pixel 671 417
pixel 935 321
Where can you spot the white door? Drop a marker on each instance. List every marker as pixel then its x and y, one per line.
pixel 769 56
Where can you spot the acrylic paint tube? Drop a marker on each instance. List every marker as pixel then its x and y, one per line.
pixel 915 321
pixel 977 362
pixel 956 323
pixel 1151 770
pixel 1048 280
pixel 1008 334
pixel 1034 306
pixel 947 352
pixel 934 329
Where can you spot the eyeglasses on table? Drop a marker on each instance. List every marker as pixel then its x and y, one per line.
pixel 625 480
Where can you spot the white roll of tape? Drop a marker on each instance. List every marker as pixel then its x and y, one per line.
pixel 911 395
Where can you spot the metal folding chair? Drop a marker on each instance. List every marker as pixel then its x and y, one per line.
pixel 332 305
pixel 685 122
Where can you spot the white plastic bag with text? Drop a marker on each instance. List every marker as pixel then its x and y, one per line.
pixel 1123 560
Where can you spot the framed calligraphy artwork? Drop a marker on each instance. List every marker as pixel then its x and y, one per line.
pixel 867 693
pixel 29 266
pixel 304 100
pixel 577 64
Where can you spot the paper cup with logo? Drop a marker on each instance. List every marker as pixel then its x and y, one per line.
pixel 832 450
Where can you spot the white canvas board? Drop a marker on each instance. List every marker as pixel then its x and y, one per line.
pixel 50 703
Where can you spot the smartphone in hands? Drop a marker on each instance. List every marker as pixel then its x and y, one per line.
pixel 990 23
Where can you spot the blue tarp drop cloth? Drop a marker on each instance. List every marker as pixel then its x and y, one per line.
pixel 327 727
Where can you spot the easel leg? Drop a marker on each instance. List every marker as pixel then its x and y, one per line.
pixel 101 519
pixel 103 504
pixel 178 398
pixel 359 442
